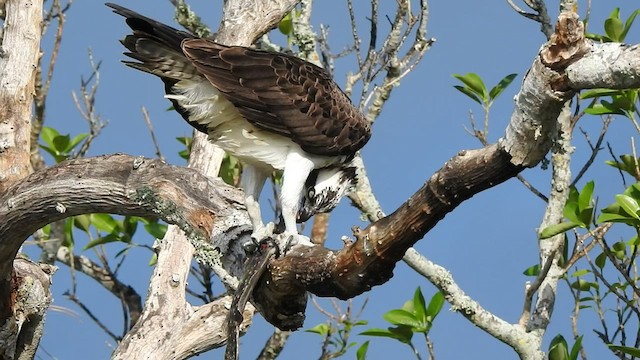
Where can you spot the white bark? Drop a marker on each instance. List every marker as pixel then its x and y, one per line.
pixel 609 65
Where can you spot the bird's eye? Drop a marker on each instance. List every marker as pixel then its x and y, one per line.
pixel 311 193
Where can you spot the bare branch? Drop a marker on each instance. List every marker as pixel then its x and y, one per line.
pixel 147 120
pixel 107 279
pixel 274 345
pixel 595 149
pixel 94 318
pixel 551 249
pixel 512 334
pixel 86 105
pixel 541 15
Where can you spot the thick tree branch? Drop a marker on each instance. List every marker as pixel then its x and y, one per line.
pixel 119 184
pixel 19 52
pixel 18 60
pixel 608 65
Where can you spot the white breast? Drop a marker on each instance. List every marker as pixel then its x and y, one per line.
pixel 232 132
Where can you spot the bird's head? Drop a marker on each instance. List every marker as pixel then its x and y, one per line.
pixel 324 189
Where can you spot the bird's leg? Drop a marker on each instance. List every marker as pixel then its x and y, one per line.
pixel 297 169
pixel 252 182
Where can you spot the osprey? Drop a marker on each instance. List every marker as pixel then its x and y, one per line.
pixel 272 111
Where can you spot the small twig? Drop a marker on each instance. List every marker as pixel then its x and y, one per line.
pixel 87 108
pixel 596 234
pixel 541 16
pixel 615 158
pixel 632 283
pixel 156 145
pixel 86 310
pixel 595 149
pixel 432 354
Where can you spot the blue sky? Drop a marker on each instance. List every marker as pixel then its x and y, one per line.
pixel 486 243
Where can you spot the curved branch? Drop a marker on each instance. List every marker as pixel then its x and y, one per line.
pixel 119 184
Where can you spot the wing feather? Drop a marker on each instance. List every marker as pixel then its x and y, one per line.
pixel 283 94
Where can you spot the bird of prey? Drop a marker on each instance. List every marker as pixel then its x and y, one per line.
pixel 271 110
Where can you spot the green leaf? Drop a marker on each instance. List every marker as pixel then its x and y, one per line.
pixel 503 84
pixel 82 222
pixel 48 150
pixel 596 37
pixel 286 25
pixel 68 240
pixel 601 260
pixel 419 306
pixel 589 94
pixel 320 329
pixel 580 272
pixel 575 349
pixel 102 240
pixel 61 142
pixel 586 216
pixel 379 332
pixel 469 93
pixel 402 317
pixel 48 134
pixel 614 28
pixel 584 199
pixel 130 225
pixel 186 141
pixel 627 163
pixel 558 349
pixel 555 229
pixel 154 259
pixel 75 141
pixel 614 213
pixel 532 270
pixel 156 230
pixel 361 354
pixel 603 108
pixel 475 84
pixel 402 333
pixel 104 222
pixel 628 204
pixel 626 350
pixel 583 285
pixel 571 209
pixel 628 23
pixel 122 252
pixel 435 305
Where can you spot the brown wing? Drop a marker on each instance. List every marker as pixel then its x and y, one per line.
pixel 283 94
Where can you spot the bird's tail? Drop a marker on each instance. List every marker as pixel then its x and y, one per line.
pixel 155 46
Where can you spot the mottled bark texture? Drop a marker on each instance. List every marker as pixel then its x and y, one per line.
pixel 20 318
